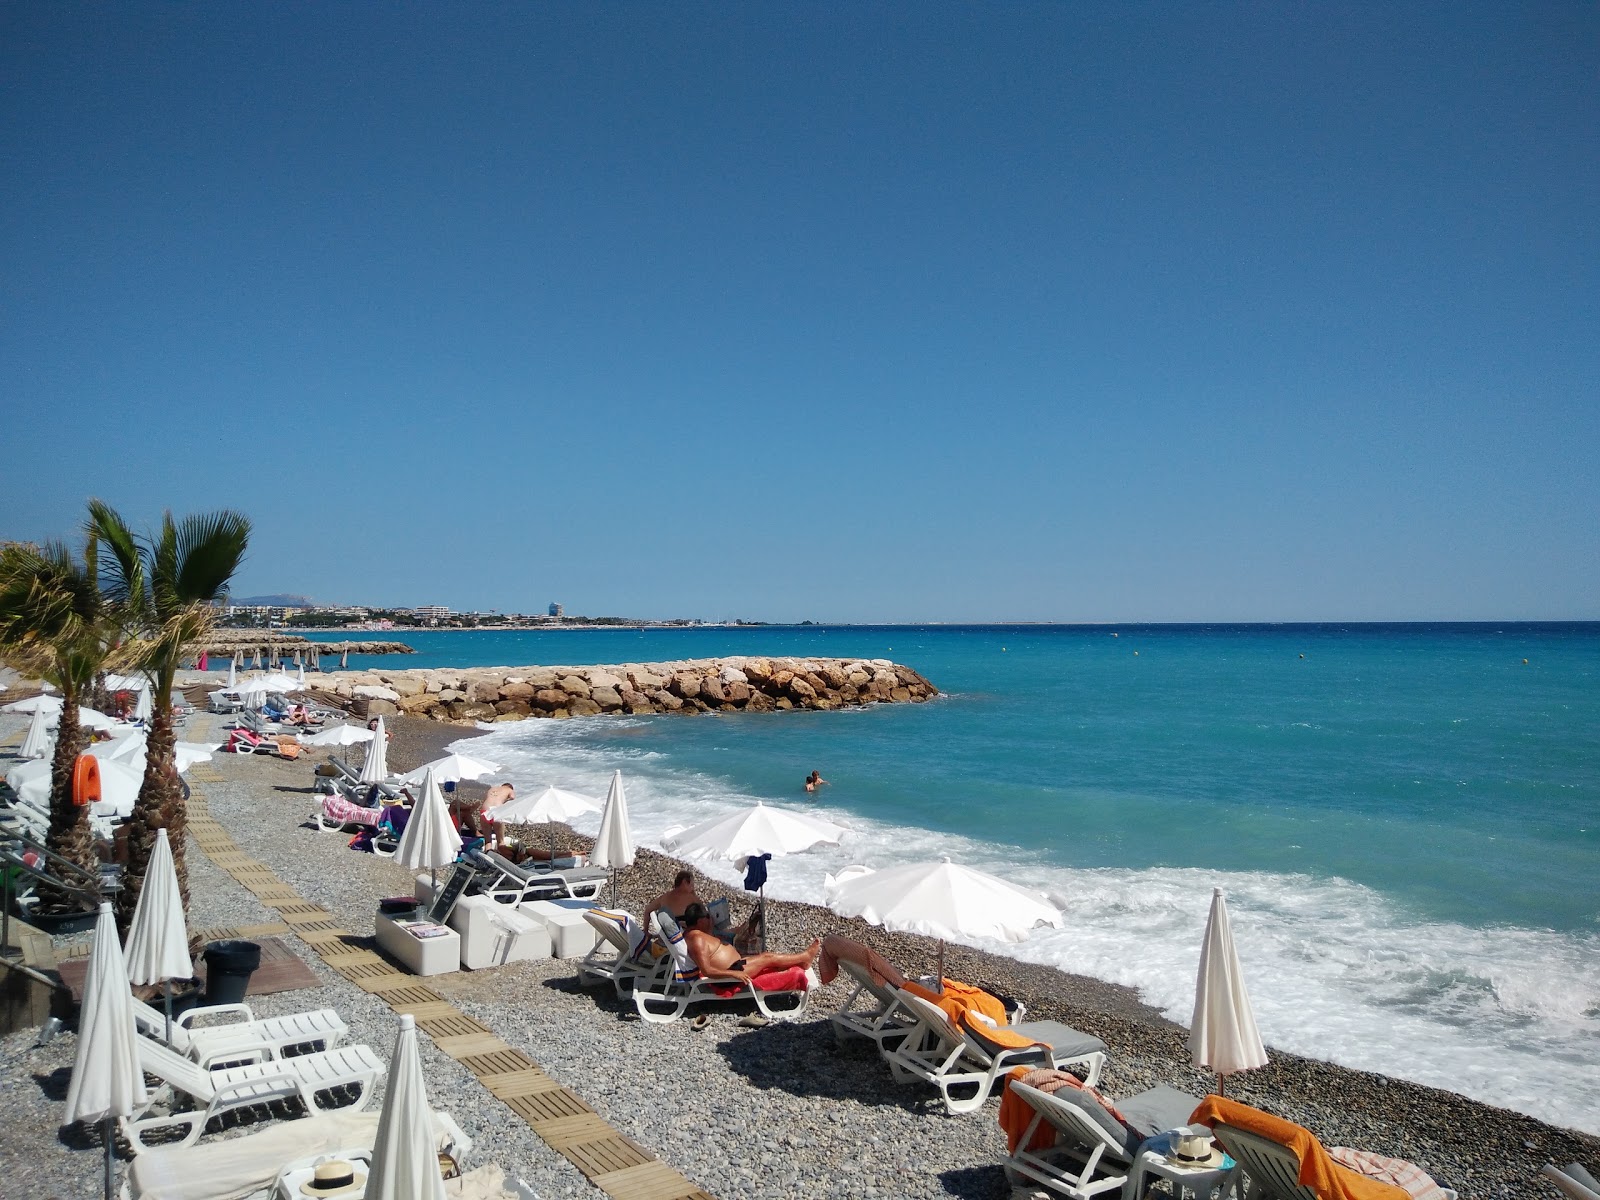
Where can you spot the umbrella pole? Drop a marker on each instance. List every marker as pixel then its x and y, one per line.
pixel 166 1003
pixel 108 1134
pixel 939 978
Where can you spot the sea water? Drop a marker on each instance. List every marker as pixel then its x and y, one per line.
pixel 1405 819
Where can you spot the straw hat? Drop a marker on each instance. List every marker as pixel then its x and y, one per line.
pixel 1196 1151
pixel 336 1177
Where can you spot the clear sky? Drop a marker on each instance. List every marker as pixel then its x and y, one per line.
pixel 850 312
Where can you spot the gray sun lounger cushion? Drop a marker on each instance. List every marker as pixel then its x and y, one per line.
pixel 1067 1042
pixel 1147 1113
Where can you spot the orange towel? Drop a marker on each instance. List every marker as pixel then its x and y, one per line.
pixel 960 1000
pixel 1317 1171
pixel 1016 1114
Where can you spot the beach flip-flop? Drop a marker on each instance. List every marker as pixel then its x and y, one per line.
pixel 700 1022
pixel 754 1021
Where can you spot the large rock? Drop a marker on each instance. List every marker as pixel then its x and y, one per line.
pixel 408 685
pixel 573 685
pixel 711 689
pixel 604 679
pixel 517 691
pixel 550 699
pixel 801 690
pixel 636 702
pixel 645 680
pixel 737 691
pixel 485 691
pixel 685 684
pixel 732 675
pixel 666 701
pixel 376 691
pixel 379 707
pixel 520 708
pixel 419 704
pixel 757 670
pixel 582 706
pixel 833 675
pixel 608 698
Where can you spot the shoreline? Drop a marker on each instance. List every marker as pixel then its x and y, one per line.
pixel 1477 1148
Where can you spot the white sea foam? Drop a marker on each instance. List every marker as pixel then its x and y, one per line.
pixel 1335 971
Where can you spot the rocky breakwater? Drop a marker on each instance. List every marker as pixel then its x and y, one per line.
pixel 736 684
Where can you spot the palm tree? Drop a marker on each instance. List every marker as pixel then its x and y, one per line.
pixel 55 622
pixel 167 583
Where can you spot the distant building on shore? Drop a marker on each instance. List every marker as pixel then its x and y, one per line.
pixel 556 610
pixel 430 612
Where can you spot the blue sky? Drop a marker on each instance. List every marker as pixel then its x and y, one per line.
pixel 878 312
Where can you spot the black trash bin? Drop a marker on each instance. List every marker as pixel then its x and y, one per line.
pixel 229 966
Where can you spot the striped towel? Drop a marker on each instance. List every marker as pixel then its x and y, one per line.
pixel 1406 1176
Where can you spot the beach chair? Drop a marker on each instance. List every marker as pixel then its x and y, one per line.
pixel 622 953
pixel 1075 1145
pixel 1573 1180
pixel 665 993
pixel 242 1038
pixel 1279 1160
pixel 225 1089
pixel 247 1166
pixel 511 883
pixel 872 1011
pixel 246 741
pixel 965 1064
pixel 339 815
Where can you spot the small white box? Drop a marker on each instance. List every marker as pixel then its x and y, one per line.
pixel 570 935
pixel 421 956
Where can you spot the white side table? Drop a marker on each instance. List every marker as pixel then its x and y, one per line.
pixel 421 956
pixel 570 935
pixel 1200 1183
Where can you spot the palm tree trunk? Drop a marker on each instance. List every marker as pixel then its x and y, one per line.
pixel 69 834
pixel 160 806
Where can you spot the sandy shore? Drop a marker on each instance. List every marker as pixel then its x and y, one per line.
pixel 771 1112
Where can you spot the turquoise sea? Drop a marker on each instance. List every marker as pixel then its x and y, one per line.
pixel 1406 818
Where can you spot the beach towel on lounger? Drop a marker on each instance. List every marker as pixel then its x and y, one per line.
pixel 1406 1176
pixel 1016 1113
pixel 973 1009
pixel 781 979
pixel 1318 1172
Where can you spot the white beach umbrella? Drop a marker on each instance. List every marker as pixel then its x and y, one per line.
pixel 1222 1033
pixel 107 1082
pixel 128 746
pixel 89 718
pixel 189 753
pixel 757 830
pixel 299 674
pixel 405 1165
pixel 50 704
pixel 376 768
pixel 38 743
pixel 31 782
pixel 430 840
pixel 452 768
pixel 143 707
pixel 613 845
pixel 119 786
pixel 278 681
pixel 158 942
pixel 233 672
pixel 943 900
pixel 549 805
pixel 338 735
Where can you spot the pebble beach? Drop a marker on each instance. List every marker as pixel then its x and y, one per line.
pixel 769 1112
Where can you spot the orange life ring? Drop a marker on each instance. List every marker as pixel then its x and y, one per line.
pixel 86 780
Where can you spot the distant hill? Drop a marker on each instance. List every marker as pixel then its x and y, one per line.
pixel 278 601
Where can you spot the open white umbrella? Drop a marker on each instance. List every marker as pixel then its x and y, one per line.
pixel 1222 1033
pixel 50 704
pixel 38 743
pixel 376 768
pixel 89 718
pixel 452 768
pixel 430 840
pixel 756 830
pixel 549 805
pixel 158 942
pixel 107 1082
pixel 405 1165
pixel 338 735
pixel 943 900
pixel 189 753
pixel 119 786
pixel 127 747
pixel 613 845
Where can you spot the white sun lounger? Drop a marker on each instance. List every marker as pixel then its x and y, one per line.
pixel 1093 1151
pixel 511 883
pixel 958 1060
pixel 1269 1169
pixel 227 1088
pixel 1573 1180
pixel 242 1039
pixel 665 994
pixel 873 1011
pixel 621 954
pixel 247 1166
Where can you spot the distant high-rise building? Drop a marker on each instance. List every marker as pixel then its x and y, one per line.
pixel 555 609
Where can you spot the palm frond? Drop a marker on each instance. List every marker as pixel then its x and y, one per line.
pixel 121 574
pixel 210 547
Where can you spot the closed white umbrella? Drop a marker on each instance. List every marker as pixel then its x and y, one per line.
pixel 1222 1033
pixel 452 768
pixel 299 674
pixel 943 900
pixel 107 1082
pixel 338 735
pixel 549 805
pixel 405 1165
pixel 38 743
pixel 376 768
pixel 233 672
pixel 143 707
pixel 430 840
pixel 50 704
pixel 613 845
pixel 158 942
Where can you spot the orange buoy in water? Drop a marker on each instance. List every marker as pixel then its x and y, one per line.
pixel 86 780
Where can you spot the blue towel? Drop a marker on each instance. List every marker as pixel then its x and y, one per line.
pixel 755 875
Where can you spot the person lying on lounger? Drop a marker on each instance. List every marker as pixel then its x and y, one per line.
pixel 677 900
pixel 718 960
